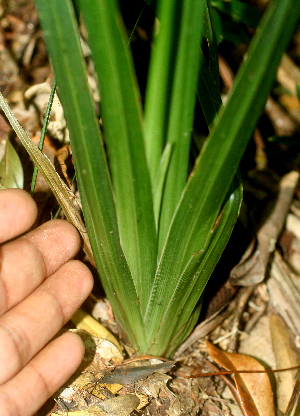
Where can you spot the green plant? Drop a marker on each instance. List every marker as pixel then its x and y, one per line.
pixel 157 235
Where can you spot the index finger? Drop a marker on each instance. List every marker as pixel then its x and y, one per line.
pixel 18 213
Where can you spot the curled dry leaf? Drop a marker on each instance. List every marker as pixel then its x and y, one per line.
pixel 253 389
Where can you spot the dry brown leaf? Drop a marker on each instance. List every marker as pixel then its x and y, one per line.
pixel 254 389
pixel 253 265
pixel 286 356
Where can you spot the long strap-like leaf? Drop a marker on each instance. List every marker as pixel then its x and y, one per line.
pixel 193 279
pixel 222 152
pixel 170 98
pixel 121 114
pixel 62 38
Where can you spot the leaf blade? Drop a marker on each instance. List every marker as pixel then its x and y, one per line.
pixel 254 389
pixel 221 153
pixel 11 170
pixel 193 279
pixel 61 33
pixel 121 115
pixel 170 98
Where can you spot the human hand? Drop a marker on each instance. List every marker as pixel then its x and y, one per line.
pixel 40 289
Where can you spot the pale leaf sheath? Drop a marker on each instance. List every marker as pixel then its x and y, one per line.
pixel 62 193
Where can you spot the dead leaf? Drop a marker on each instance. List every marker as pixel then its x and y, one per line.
pixel 294 400
pixel 63 160
pixel 253 265
pixel 121 405
pixel 254 389
pixel 284 291
pixel 132 372
pixel 117 406
pixel 285 356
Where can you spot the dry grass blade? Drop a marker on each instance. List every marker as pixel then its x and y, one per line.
pixel 62 193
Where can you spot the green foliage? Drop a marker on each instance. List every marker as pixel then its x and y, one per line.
pixel 157 235
pixel 11 170
pixel 298 91
pixel 43 133
pixel 232 18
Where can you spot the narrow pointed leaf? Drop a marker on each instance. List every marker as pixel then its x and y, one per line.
pixel 159 183
pixel 170 97
pixel 159 83
pixel 208 90
pixel 191 283
pixel 120 111
pixel 208 93
pixel 222 152
pixel 43 133
pixel 212 43
pixel 61 34
pixel 184 330
pixel 182 107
